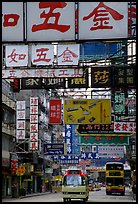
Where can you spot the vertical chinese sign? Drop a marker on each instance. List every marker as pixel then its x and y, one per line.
pixel 55 111
pixel 33 123
pixel 20 116
pixel 68 138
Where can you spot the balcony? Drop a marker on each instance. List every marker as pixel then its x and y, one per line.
pixel 8 129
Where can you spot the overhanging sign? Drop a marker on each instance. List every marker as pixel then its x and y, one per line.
pixel 42 73
pixel 53 149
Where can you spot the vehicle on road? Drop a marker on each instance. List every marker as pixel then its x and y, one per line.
pixel 115 182
pixel 75 186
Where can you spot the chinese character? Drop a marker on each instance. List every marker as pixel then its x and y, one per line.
pixel 10 20
pixel 67 55
pixel 14 56
pixel 41 55
pixel 45 25
pixel 101 16
pixel 101 77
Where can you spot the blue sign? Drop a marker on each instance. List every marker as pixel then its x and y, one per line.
pixel 75 141
pixel 67 159
pixel 68 138
pixel 53 149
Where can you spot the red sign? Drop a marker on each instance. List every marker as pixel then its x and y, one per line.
pixel 55 111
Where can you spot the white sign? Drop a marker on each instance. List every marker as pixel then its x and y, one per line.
pixel 12 21
pixel 20 120
pixel 111 151
pixel 20 134
pixel 33 123
pixel 103 20
pixel 125 127
pixel 50 21
pixel 68 54
pixel 20 105
pixel 43 54
pixel 42 73
pixel 16 55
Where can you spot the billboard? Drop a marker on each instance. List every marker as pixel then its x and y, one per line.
pixel 87 111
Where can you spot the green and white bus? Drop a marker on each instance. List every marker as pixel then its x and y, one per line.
pixel 75 185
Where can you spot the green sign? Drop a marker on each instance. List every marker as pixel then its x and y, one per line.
pixel 104 140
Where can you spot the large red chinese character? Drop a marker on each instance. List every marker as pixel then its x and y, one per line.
pixel 45 25
pixel 101 17
pixel 42 55
pixel 10 20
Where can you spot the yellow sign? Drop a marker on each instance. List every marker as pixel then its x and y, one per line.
pixel 20 170
pixel 87 111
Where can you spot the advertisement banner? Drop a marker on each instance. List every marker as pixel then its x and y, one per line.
pixel 105 140
pixel 41 73
pixel 55 111
pixel 87 111
pixel 95 128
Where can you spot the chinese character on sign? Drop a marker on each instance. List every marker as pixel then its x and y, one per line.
pixel 33 118
pixel 16 57
pixel 41 54
pixel 32 82
pixel 34 101
pixel 20 114
pixel 34 110
pixel 51 14
pixel 33 136
pixel 102 17
pixel 20 134
pixel 101 77
pixel 34 127
pixel 68 55
pixel 10 20
pixel 21 124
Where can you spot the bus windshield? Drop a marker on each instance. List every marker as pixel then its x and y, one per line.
pixel 114 181
pixel 114 167
pixel 74 180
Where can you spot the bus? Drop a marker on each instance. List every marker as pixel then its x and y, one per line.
pixel 115 181
pixel 75 185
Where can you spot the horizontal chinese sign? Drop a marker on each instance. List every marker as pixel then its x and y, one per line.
pixel 94 128
pixel 126 127
pixel 50 83
pixel 39 83
pixel 105 140
pixel 111 151
pixel 55 111
pixel 17 55
pixel 53 149
pixel 55 21
pixel 87 111
pixel 42 73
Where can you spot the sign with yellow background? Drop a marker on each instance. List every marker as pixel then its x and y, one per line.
pixel 87 111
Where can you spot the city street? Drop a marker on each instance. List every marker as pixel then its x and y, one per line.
pixel 95 196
